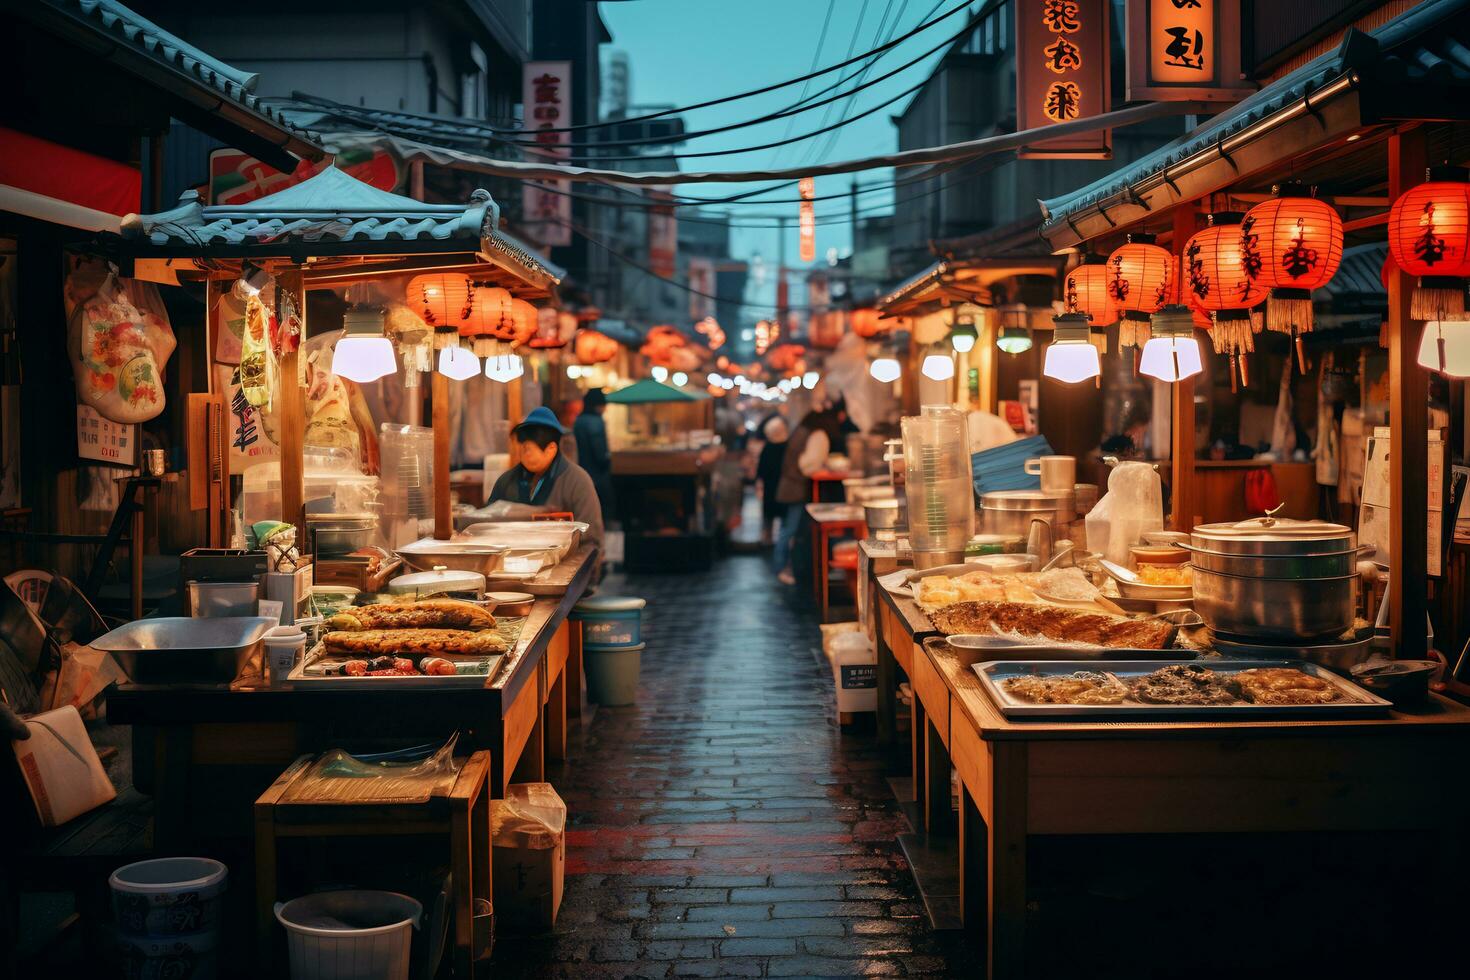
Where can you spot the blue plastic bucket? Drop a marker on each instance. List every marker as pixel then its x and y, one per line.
pixel 610 622
pixel 612 674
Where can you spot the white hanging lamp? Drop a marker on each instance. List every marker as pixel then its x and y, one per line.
pixel 363 353
pixel 1171 352
pixel 1071 357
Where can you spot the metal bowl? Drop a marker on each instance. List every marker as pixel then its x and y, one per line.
pixel 881 514
pixel 182 650
pixel 1340 658
pixel 463 556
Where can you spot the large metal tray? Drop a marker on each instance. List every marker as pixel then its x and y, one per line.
pixel 302 676
pixel 1003 648
pixel 1356 701
pixel 181 649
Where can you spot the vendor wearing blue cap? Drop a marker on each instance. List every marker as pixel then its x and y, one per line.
pixel 544 479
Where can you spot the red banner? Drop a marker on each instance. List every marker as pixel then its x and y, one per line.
pixel 52 170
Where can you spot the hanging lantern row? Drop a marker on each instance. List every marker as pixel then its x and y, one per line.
pixel 1291 245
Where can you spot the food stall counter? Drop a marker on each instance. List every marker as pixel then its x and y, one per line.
pixel 206 751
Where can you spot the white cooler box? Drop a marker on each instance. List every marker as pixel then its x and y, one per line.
pixel 854 673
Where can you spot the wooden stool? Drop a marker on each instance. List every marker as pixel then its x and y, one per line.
pixel 460 813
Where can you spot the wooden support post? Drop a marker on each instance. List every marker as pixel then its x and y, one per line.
pixel 1182 430
pixel 290 406
pixel 443 521
pixel 1408 458
pixel 514 412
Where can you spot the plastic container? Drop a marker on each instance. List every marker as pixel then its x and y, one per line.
pixel 332 483
pixel 940 485
pixel 612 674
pixel 854 673
pixel 284 645
pixel 350 935
pixel 610 621
pixel 189 957
pixel 167 897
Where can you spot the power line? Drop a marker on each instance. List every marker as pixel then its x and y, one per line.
pixel 752 92
pixel 816 56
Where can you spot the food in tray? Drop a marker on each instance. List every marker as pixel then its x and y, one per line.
pixel 1057 623
pixel 1165 574
pixel 938 591
pixel 414 642
pixel 1184 684
pixel 439 614
pixel 1078 687
pixel 1284 685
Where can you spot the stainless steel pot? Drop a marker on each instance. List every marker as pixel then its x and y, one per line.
pixel 881 514
pixel 1329 565
pixel 1264 537
pixel 1010 512
pixel 1293 610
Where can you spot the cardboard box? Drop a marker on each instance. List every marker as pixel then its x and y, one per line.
pixel 529 859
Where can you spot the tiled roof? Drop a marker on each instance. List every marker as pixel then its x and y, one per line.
pixel 332 213
pixel 1420 45
pixel 122 25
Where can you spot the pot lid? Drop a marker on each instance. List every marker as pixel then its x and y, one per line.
pixel 885 503
pixel 611 603
pixel 1274 529
pixel 441 579
pixel 1026 500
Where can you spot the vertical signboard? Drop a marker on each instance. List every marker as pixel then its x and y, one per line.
pixel 1184 50
pixel 1062 74
pixel 807 219
pixel 701 275
pixel 546 97
pixel 663 237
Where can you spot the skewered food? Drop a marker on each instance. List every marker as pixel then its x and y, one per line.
pixel 1184 684
pixel 1078 687
pixel 1056 623
pixel 414 642
pixel 441 614
pixel 1284 685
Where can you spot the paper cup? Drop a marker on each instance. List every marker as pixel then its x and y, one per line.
pixel 283 645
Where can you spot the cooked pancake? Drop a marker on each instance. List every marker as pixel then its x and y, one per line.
pixel 1057 623
pixel 444 614
pixel 414 642
pixel 1185 684
pixel 1078 687
pixel 1284 685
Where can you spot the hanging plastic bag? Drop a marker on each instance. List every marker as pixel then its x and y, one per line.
pixel 117 346
pixel 257 366
pixel 1133 505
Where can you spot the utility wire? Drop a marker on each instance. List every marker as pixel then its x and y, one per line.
pixel 752 92
pixel 816 57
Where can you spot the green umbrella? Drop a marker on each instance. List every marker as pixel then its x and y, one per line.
pixel 649 391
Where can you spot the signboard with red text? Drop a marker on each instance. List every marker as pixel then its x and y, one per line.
pixel 1184 50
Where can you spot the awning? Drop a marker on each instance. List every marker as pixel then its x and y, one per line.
pixel 1417 66
pixel 649 391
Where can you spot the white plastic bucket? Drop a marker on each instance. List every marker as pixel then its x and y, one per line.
pixel 168 896
pixel 350 935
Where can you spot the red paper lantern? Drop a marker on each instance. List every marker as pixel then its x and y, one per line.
pixel 1429 237
pixel 523 318
pixel 1086 292
pixel 490 321
pixel 865 322
pixel 1140 280
pixel 442 300
pixel 1291 244
pixel 591 347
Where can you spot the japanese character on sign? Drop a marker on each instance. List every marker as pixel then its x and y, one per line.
pixel 1061 16
pixel 1063 56
pixel 1185 51
pixel 1063 101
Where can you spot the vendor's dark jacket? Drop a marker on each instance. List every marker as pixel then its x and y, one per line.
pixel 565 487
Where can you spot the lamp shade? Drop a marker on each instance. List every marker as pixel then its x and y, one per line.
pixel 1445 348
pixel 504 367
pixel 458 363
pixel 1071 357
pixel 1429 237
pixel 938 367
pixel 1140 280
pixel 1086 292
pixel 1172 352
pixel 1291 244
pixel 1014 340
pixel 885 370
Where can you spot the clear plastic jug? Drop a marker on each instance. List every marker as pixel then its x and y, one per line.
pixel 939 484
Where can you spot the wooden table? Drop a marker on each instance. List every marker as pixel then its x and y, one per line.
pixel 828 520
pixel 1023 778
pixel 206 752
pixel 458 814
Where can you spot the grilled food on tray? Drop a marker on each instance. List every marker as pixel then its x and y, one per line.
pixel 1284 685
pixel 1055 623
pixel 938 591
pixel 1078 687
pixel 414 642
pixel 440 614
pixel 1185 684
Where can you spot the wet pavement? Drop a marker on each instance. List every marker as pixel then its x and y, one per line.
pixel 726 825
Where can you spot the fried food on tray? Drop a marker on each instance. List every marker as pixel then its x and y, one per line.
pixel 1057 623
pixel 414 643
pixel 1284 685
pixel 1079 687
pixel 1164 574
pixel 938 591
pixel 444 614
pixel 1184 684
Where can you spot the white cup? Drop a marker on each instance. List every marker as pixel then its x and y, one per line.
pixel 1058 473
pixel 283 645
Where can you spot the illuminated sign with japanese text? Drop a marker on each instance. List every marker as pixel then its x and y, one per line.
pixel 1062 73
pixel 546 98
pixel 1184 49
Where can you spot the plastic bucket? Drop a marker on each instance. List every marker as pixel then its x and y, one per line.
pixel 350 935
pixel 612 674
pixel 610 621
pixel 168 896
pixel 190 957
